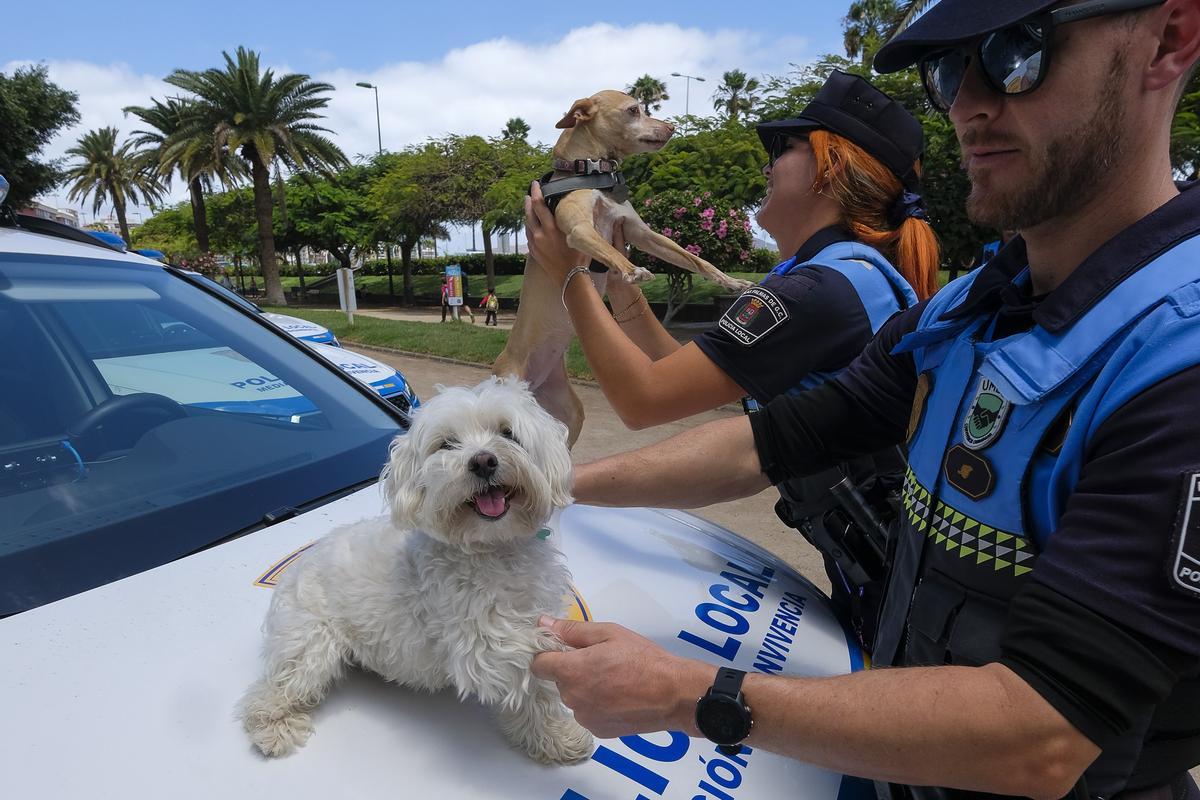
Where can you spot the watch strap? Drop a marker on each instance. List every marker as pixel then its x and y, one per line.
pixel 728 681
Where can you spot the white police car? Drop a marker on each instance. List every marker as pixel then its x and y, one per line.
pixel 144 528
pixel 386 380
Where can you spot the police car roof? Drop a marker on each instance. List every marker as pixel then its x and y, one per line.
pixel 20 240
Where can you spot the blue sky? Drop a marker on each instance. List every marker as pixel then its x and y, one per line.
pixel 441 67
pixel 156 36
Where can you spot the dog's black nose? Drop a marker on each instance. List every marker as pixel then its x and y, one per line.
pixel 483 464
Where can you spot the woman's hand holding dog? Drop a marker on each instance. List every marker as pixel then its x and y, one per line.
pixel 547 244
pixel 618 683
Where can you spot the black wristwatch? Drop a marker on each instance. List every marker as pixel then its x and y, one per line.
pixel 722 714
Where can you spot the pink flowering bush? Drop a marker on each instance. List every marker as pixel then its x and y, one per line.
pixel 701 224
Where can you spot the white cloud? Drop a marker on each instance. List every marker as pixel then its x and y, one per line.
pixel 473 89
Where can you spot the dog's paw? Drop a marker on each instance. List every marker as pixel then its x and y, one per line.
pixel 278 736
pixel 564 741
pixel 735 285
pixel 639 275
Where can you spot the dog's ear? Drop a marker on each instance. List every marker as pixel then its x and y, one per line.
pixel 556 460
pixel 583 110
pixel 401 491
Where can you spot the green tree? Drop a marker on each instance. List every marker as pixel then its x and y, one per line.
pixel 649 91
pixel 233 223
pixel 110 173
pixel 735 96
pixel 194 157
pixel 474 165
pixel 907 11
pixel 330 213
pixel 32 111
pixel 409 200
pixel 520 163
pixel 868 24
pixel 263 117
pixel 726 160
pixel 515 128
pixel 1185 131
pixel 171 230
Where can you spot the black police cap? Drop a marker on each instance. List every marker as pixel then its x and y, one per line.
pixel 851 107
pixel 952 22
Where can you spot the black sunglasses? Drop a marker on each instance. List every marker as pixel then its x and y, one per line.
pixel 1013 60
pixel 781 143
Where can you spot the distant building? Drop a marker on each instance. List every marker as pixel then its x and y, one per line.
pixel 66 216
pixel 110 224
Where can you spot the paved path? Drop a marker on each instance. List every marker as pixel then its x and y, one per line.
pixel 604 434
pixel 434 314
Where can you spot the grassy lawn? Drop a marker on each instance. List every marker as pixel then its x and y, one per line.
pixel 457 340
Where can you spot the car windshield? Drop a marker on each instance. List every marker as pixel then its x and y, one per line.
pixel 142 419
pixel 213 286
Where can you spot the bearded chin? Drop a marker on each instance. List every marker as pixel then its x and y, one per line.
pixel 1068 171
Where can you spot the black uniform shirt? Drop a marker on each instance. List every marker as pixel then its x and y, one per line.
pixel 1101 631
pixel 806 321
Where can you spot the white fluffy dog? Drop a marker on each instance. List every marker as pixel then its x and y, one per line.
pixel 446 593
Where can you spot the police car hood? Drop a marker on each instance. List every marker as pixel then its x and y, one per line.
pixel 129 690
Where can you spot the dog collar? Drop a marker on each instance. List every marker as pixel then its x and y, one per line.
pixel 544 533
pixel 587 166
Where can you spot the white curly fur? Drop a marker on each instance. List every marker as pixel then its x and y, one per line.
pixel 438 596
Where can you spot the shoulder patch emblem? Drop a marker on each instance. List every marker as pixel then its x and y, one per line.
pixel 1185 569
pixel 986 416
pixel 753 315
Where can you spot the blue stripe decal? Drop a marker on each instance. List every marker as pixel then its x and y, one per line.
pixel 319 338
pixel 267 408
pixel 856 653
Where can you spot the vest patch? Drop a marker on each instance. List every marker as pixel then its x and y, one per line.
pixel 969 472
pixel 753 315
pixel 986 416
pixel 1185 570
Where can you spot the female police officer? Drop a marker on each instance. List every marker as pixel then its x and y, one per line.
pixel 843 199
pixel 1045 564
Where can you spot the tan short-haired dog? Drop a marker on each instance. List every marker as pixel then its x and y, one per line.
pixel 607 126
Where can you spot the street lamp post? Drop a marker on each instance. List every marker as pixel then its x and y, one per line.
pixel 687 91
pixel 378 130
pixel 387 247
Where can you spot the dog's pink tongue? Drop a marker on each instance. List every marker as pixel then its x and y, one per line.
pixel 491 502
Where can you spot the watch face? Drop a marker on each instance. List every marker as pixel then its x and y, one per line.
pixel 722 719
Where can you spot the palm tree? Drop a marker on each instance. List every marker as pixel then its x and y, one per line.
pixel 649 91
pixel 906 12
pixel 735 95
pixel 869 23
pixel 515 128
pixel 111 174
pixel 195 158
pixel 263 117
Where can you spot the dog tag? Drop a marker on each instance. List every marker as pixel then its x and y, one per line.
pixel 620 193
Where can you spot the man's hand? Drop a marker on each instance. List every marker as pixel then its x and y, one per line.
pixel 619 683
pixel 547 244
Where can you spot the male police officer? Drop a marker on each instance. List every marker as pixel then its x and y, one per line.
pixel 1043 598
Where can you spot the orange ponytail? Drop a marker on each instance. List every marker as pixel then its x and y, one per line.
pixel 866 190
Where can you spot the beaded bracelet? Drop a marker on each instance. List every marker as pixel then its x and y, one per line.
pixel 639 299
pixel 645 308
